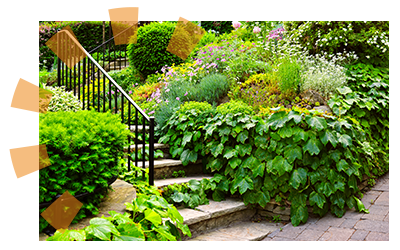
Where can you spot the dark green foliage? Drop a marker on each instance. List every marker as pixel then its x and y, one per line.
pixel 367 100
pixel 149 54
pixel 126 78
pixel 85 149
pixel 291 154
pixel 220 27
pixel 88 33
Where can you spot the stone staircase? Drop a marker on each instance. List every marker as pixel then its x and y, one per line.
pixel 228 220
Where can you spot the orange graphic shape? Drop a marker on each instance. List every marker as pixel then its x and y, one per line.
pixel 25 96
pixel 44 160
pixel 65 45
pixel 123 31
pixel 44 100
pixel 62 211
pixel 185 38
pixel 124 24
pixel 25 160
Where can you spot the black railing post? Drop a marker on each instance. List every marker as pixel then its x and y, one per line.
pixel 151 151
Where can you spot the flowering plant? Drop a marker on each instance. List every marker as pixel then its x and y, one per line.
pixel 236 25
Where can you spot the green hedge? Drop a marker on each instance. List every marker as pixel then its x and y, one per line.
pixel 149 54
pixel 294 155
pixel 85 150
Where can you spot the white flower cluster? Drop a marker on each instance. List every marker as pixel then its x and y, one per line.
pixel 62 100
pixel 322 75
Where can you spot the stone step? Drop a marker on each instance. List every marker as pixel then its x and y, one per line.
pixel 240 231
pixel 164 168
pixel 140 128
pixel 162 183
pixel 206 218
pixel 156 146
pixel 114 201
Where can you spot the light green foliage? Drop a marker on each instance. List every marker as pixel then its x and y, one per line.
pixel 211 88
pixel 191 194
pixel 289 76
pixel 234 107
pixel 127 78
pixel 62 100
pixel 85 149
pixel 149 218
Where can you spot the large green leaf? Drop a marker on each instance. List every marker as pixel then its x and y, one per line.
pixel 261 142
pixel 312 146
pixel 187 136
pixel 242 137
pixel 296 116
pixel 230 152
pixel 298 214
pixel 243 184
pixel 278 166
pixel 101 228
pixel 68 235
pixel 285 131
pixel 316 198
pixel 316 122
pixel 344 139
pixel 188 156
pixel 215 164
pixel 293 153
pixel 277 120
pixel 258 170
pixel 152 216
pixel 329 136
pixel 299 176
pixel 250 162
pixel 342 165
pixel 243 149
pixel 360 206
pixel 217 149
pixel 234 162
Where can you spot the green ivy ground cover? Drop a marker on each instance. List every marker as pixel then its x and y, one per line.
pixel 293 155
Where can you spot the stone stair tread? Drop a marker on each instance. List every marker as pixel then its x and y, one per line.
pixel 212 210
pixel 240 231
pixel 156 146
pixel 166 182
pixel 163 163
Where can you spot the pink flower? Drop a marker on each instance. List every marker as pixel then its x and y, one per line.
pixel 256 30
pixel 186 93
pixel 223 60
pixel 178 98
pixel 236 25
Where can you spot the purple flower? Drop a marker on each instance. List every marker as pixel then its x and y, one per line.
pixel 217 58
pixel 130 91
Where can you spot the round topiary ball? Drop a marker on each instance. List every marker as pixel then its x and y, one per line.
pixel 147 50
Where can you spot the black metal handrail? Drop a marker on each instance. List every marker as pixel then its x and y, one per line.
pixel 82 80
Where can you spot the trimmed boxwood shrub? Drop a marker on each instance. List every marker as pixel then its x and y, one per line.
pixel 149 53
pixel 85 149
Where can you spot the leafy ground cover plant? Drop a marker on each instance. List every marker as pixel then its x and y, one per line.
pixel 150 218
pixel 191 194
pixel 366 99
pixel 295 155
pixel 183 131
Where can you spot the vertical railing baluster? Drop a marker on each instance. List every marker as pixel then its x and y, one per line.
pixel 116 100
pixel 144 144
pixel 88 85
pixel 94 82
pixel 136 138
pixel 79 80
pixel 129 137
pixel 84 82
pixel 151 151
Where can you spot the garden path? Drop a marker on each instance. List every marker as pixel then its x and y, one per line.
pixel 353 226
